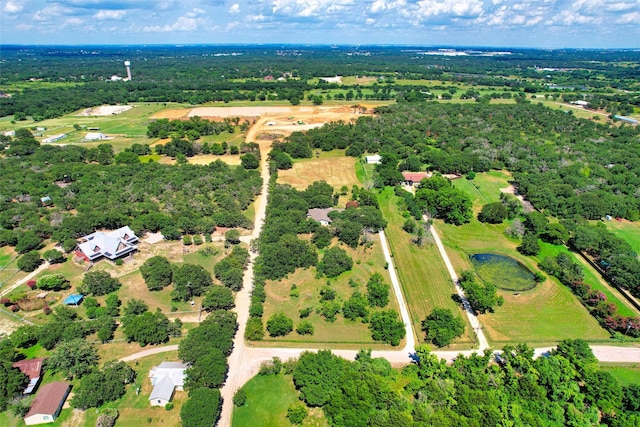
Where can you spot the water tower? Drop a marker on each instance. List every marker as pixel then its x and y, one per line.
pixel 128 65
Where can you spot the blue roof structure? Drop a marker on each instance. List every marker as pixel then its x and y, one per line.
pixel 73 299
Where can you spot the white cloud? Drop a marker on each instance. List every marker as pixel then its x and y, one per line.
pixel 308 8
pixel 73 22
pixel 13 6
pixel 234 9
pixel 458 8
pixel 51 12
pixel 110 14
pixel 182 24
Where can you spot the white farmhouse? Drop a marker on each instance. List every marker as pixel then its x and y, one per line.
pixel 166 378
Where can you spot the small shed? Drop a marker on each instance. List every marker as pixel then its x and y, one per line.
pixel 47 405
pixel 33 369
pixel 73 299
pixel 374 159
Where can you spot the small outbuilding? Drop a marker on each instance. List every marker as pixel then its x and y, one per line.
pixel 95 136
pixel 166 378
pixel 73 299
pixel 47 405
pixel 374 159
pixel 33 369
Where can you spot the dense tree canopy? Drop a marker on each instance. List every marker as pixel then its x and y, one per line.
pixel 157 273
pixel 441 326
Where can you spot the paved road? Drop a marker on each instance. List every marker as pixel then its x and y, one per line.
pixel 473 319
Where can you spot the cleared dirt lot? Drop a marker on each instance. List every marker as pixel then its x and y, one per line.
pixel 336 171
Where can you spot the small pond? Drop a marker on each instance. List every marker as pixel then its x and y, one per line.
pixel 503 271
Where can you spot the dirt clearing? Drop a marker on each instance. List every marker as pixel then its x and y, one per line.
pixel 337 171
pixel 104 110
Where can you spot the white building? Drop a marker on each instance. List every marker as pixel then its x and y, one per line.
pixel 166 378
pixel 373 160
pixel 55 138
pixel 113 245
pixel 95 136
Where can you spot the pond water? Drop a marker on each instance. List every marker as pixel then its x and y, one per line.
pixel 503 271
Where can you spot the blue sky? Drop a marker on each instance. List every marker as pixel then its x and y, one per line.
pixel 500 23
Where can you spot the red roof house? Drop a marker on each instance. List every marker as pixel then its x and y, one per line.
pixel 47 405
pixel 412 178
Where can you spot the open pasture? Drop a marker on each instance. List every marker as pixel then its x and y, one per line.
pixel 543 315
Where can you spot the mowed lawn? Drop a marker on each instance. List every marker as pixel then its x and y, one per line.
pixel 268 398
pixel 592 278
pixel 342 331
pixel 332 166
pixel 543 315
pixel 626 230
pixel 625 373
pixel 423 275
pixel 134 408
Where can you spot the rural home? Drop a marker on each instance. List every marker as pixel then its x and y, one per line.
pixel 321 215
pixel 47 405
pixel 113 245
pixel 166 378
pixel 33 369
pixel 414 178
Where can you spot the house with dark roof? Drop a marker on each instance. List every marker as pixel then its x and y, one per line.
pixel 166 378
pixel 47 405
pixel 321 215
pixel 112 245
pixel 33 369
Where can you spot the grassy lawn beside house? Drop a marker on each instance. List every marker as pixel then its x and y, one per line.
pixel 268 397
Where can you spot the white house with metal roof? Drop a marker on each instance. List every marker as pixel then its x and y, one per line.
pixel 113 245
pixel 166 378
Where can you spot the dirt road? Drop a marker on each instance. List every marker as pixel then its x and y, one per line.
pixel 473 319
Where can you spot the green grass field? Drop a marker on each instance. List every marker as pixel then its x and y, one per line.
pixel 544 315
pixel 424 278
pixel 268 398
pixel 592 278
pixel 627 231
pixel 625 373
pixel 342 332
